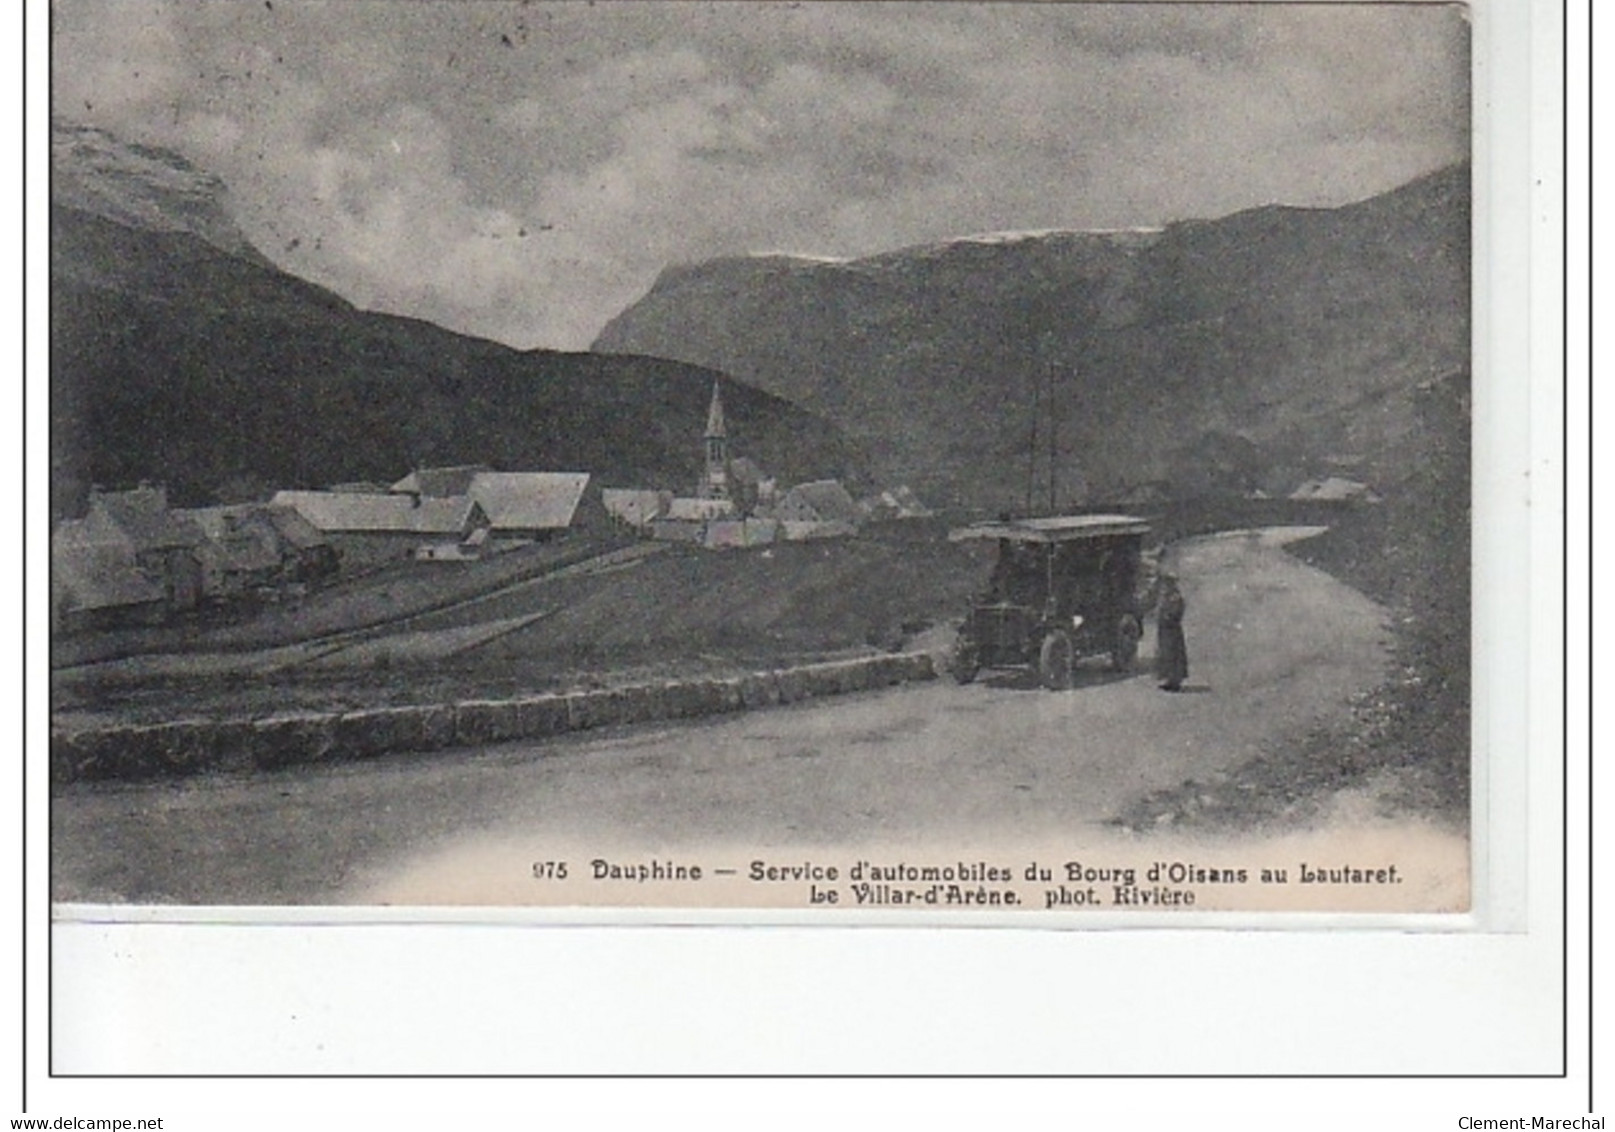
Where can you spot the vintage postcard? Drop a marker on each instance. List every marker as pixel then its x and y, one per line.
pixel 894 462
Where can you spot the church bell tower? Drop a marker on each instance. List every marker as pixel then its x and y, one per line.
pixel 715 485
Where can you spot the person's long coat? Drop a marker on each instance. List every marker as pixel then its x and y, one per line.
pixel 1171 651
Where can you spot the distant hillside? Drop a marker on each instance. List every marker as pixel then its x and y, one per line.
pixel 1211 356
pixel 180 355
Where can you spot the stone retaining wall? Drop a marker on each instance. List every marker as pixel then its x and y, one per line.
pixel 189 746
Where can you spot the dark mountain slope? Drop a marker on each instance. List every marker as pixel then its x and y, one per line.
pixel 1209 356
pixel 180 359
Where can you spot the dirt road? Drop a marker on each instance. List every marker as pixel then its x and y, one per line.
pixel 1274 647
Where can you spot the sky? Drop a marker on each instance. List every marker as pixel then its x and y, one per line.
pixel 524 171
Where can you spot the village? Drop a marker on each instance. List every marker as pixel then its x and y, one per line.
pixel 133 560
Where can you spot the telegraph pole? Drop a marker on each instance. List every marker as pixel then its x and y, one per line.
pixel 1053 451
pixel 1031 451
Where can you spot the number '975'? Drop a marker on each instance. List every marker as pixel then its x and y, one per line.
pixel 549 870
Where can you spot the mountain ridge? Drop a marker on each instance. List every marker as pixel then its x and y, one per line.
pixel 1253 332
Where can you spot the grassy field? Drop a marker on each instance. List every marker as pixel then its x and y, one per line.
pixel 677 612
pixel 380 596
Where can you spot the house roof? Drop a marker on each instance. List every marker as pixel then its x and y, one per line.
pixel 1331 489
pixel 634 505
pixel 243 551
pixel 242 537
pixel 907 503
pixel 144 518
pixel 332 511
pixel 99 576
pixel 691 509
pixel 295 529
pixel 825 498
pixel 896 503
pixel 440 482
pixel 75 533
pixel 219 522
pixel 529 501
pixel 455 515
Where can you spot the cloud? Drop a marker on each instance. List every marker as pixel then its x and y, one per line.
pixel 523 171
pixel 114 60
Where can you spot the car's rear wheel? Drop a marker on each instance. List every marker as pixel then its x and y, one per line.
pixel 1057 660
pixel 1124 655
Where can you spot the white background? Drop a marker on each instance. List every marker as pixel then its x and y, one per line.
pixel 523 1000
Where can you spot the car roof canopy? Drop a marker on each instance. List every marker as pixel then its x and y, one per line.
pixel 1055 528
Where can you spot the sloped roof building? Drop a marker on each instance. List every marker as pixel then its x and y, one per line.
pixel 821 501
pixel 635 506
pixel 142 518
pixel 438 483
pixel 335 512
pixel 529 503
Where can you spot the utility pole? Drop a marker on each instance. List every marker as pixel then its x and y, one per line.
pixel 1031 451
pixel 1053 451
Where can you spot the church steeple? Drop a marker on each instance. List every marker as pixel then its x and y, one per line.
pixel 716 483
pixel 715 429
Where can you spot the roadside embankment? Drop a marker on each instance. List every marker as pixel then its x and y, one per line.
pixel 194 745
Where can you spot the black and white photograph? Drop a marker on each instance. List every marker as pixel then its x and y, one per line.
pixel 903 462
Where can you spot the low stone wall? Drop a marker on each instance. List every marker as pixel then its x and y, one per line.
pixel 193 745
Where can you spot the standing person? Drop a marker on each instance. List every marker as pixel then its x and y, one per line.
pixel 1171 653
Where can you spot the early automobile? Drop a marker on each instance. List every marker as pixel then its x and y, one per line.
pixel 1063 589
